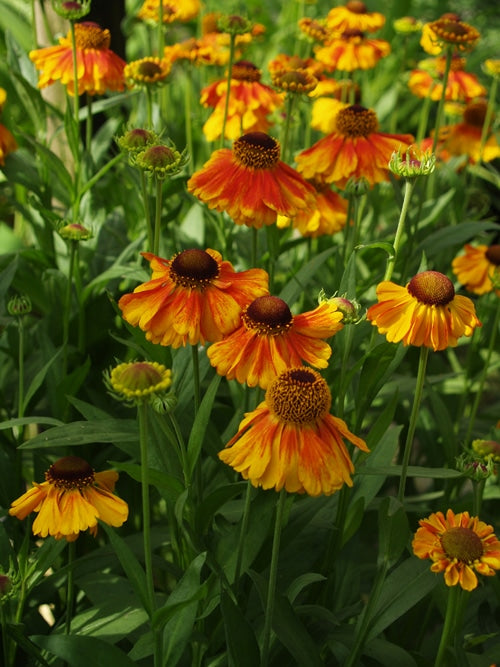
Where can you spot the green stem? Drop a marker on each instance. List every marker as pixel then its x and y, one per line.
pixel 352 230
pixel 70 587
pixel 243 532
pixel 196 377
pixel 5 636
pixel 488 116
pixel 484 374
pixel 142 412
pixel 422 365
pixel 88 126
pixel 159 203
pixel 409 186
pixel 147 212
pixel 273 575
pixel 97 177
pixel 149 108
pixel 450 626
pixel 348 337
pixel 232 40
pixel 20 399
pixel 161 34
pixel 67 304
pixel 477 495
pixel 367 616
pixel 181 449
pixel 285 141
pixel 76 99
pixel 423 119
pixel 440 109
pixel 187 115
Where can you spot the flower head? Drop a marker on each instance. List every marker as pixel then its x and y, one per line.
pixel 425 312
pixel 251 183
pixel 292 441
pixel 448 30
pixel 136 140
pixel 354 150
pixel 492 67
pixel 352 50
pixel 270 340
pixel 426 80
pixel 479 268
pixel 74 231
pixel 328 216
pixel 147 71
pixel 180 10
pixel 98 68
pixel 413 163
pixel 354 16
pixel 488 450
pixel 250 103
pixel 70 9
pixel 72 499
pixel 294 80
pixel 192 298
pixel 139 381
pixel 459 546
pixel 315 29
pixel 19 305
pixel 160 160
pixel 464 138
pixel 406 25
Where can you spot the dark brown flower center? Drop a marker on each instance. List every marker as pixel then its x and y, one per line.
pixel 432 288
pixel 68 6
pixel 493 254
pixel 70 472
pixel 353 33
pixel 462 544
pixel 475 114
pixel 149 69
pixel 454 31
pixel 256 150
pixel 89 35
pixel 356 7
pixel 268 315
pixel 244 70
pixel 299 396
pixel 356 121
pixel 194 268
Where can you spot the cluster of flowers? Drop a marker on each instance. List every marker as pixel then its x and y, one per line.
pixel 290 440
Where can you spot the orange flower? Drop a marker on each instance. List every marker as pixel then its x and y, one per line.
pixel 251 183
pixel 270 339
pixel 98 68
pixel 72 499
pixel 425 312
pixel 180 10
pixel 147 71
pixel 476 268
pixel 250 103
pixel 192 298
pixel 330 96
pixel 283 62
pixel 291 440
pixel 354 150
pixel 351 50
pixel 208 50
pixel 328 216
pixel 354 16
pixel 465 138
pixel 459 546
pixel 461 86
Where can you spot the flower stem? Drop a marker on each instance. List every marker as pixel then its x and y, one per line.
pixel 450 626
pixel 423 119
pixel 76 100
pixel 232 40
pixel 422 365
pixel 142 412
pixel 67 303
pixel 20 397
pixel 484 374
pixel 409 187
pixel 488 117
pixel 147 212
pixel 273 575
pixel 88 126
pixel 285 140
pixel 439 117
pixel 196 377
pixel 70 587
pixel 159 202
pixel 243 531
pixel 161 36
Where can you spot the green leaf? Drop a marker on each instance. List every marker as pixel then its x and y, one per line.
pixel 81 433
pixel 37 381
pixel 215 500
pixel 11 423
pixel 377 369
pixel 387 654
pixel 393 531
pixel 169 486
pixel 197 435
pixel 301 582
pixel 45 558
pixel 413 471
pixel 131 566
pixel 453 236
pixel 240 638
pixel 81 651
pixel 409 583
pixel 291 292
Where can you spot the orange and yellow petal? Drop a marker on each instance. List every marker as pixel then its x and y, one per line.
pixel 110 509
pixel 30 501
pixel 343 18
pixel 7 143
